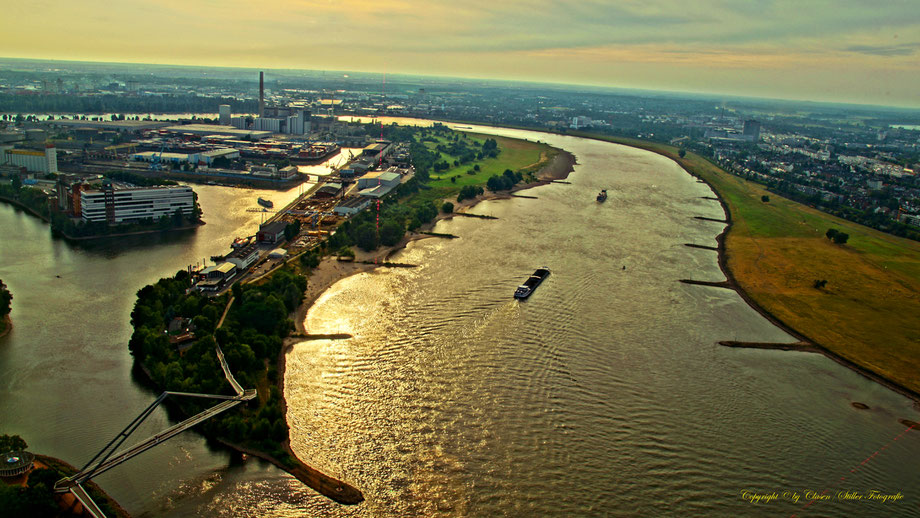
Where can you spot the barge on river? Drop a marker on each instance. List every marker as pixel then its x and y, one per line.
pixel 524 290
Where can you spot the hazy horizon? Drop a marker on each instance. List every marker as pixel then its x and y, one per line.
pixel 822 51
pixel 715 96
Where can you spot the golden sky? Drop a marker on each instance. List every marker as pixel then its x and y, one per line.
pixel 824 50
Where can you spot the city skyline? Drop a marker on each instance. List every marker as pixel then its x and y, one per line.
pixel 820 51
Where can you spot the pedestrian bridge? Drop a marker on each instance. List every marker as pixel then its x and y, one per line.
pixel 107 458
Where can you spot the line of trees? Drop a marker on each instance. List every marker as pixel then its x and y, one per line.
pixel 506 181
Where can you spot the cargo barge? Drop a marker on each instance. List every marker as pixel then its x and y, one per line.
pixel 524 290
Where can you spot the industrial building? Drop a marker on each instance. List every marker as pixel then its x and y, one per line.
pixel 156 156
pixel 213 278
pixel 203 158
pixel 296 124
pixel 214 129
pixel 377 151
pixel 116 206
pixel 269 124
pixel 244 257
pixel 271 232
pixel 208 157
pixel 378 184
pixel 351 206
pixel 124 126
pixel 239 122
pixel 34 161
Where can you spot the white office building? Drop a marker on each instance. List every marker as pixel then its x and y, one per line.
pixel 126 205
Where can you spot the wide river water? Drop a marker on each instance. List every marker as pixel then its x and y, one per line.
pixel 603 394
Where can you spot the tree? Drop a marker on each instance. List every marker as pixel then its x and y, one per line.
pixel 12 443
pixel 447 208
pixel 831 232
pixel 391 232
pixel 820 283
pixel 310 259
pixel 6 299
pixel 841 238
pixel 682 153
pixel 765 198
pixel 291 230
pixel 366 237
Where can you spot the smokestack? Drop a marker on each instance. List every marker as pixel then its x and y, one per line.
pixel 261 94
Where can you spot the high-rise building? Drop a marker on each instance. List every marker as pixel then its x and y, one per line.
pixel 751 130
pixel 261 94
pixel 224 111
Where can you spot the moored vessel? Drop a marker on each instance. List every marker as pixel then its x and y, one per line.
pixel 266 203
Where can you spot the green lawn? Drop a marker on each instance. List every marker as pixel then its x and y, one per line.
pixel 517 155
pixel 868 311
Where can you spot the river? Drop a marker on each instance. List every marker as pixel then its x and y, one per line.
pixel 605 393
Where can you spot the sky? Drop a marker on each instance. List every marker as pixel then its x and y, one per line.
pixel 855 51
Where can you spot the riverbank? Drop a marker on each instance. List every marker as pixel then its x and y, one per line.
pixel 771 254
pixel 331 270
pixel 67 501
pixel 771 257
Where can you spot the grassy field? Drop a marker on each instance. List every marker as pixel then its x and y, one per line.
pixel 517 155
pixel 869 311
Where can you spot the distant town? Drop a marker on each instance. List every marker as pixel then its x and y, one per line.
pixel 66 128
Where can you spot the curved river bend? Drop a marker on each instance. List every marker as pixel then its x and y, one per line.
pixel 603 394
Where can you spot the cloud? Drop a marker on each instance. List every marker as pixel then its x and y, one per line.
pixel 905 49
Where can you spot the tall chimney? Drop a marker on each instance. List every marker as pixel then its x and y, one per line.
pixel 261 94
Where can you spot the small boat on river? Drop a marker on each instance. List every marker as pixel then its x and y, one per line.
pixel 266 203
